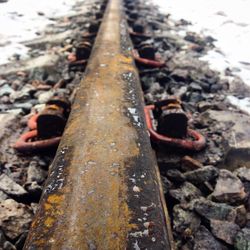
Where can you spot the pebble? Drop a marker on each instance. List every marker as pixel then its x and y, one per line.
pixel 3 196
pixel 175 175
pixel 204 240
pixel 243 173
pixel 166 183
pixel 15 218
pixel 6 90
pixel 22 95
pixel 241 216
pixel 189 164
pixel 2 238
pixel 45 96
pixel 7 121
pixel 180 75
pixel 217 211
pixel 242 239
pixel 195 87
pixel 224 230
pixel 207 173
pixel 185 193
pixel 26 107
pixel 185 220
pixel 8 186
pixel 229 188
pixel 35 173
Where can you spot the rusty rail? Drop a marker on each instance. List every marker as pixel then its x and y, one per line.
pixel 104 189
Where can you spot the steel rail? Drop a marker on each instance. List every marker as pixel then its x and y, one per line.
pixel 104 190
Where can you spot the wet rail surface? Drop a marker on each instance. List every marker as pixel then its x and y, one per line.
pixel 104 189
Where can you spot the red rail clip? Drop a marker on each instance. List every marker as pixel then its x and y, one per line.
pixel 147 62
pixel 24 143
pixel 197 144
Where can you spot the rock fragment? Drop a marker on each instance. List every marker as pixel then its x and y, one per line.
pixel 6 122
pixel 6 90
pixel 45 96
pixel 185 221
pixel 237 136
pixel 15 218
pixel 23 95
pixel 175 176
pixel 224 230
pixel 8 246
pixel 243 173
pixel 211 210
pixel 189 164
pixel 242 240
pixel 8 186
pixel 241 216
pixel 185 193
pixel 204 240
pixel 35 173
pixel 207 173
pixel 3 196
pixel 203 106
pixel 229 188
pixel 180 75
pixel 195 87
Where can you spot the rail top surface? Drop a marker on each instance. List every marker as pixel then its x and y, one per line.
pixel 103 190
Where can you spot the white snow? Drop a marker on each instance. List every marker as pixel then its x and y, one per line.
pixel 21 19
pixel 226 21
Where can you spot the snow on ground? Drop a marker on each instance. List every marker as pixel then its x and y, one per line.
pixel 226 21
pixel 20 20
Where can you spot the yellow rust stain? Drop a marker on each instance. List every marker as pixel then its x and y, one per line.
pixel 116 128
pixel 98 199
pixel 47 206
pixel 55 198
pixel 52 209
pixel 127 60
pixel 94 207
pixel 49 222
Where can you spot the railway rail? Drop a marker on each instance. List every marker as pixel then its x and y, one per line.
pixel 148 146
pixel 104 189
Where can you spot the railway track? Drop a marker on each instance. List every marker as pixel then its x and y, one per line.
pixel 125 208
pixel 144 158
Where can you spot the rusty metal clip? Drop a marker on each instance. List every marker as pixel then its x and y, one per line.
pixel 147 62
pixel 197 144
pixel 48 125
pixel 24 144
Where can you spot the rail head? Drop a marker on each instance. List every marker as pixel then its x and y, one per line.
pixel 104 190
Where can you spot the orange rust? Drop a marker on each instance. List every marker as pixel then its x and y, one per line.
pixel 55 199
pixel 49 222
pixel 24 145
pixel 100 148
pixel 47 206
pixel 197 144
